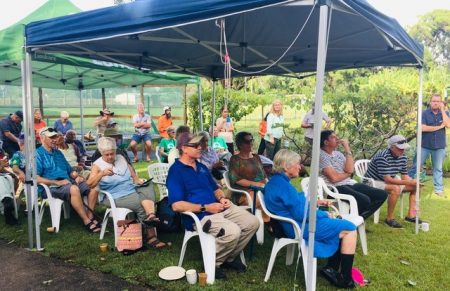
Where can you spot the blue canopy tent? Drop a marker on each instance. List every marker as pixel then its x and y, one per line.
pixel 210 38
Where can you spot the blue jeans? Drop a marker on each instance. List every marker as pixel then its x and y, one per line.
pixel 437 159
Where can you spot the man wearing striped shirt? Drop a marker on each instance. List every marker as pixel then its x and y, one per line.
pixel 384 167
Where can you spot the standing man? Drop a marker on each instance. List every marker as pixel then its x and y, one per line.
pixel 384 167
pixel 192 188
pixel 142 123
pixel 10 128
pixel 434 121
pixel 164 121
pixel 337 168
pixel 308 125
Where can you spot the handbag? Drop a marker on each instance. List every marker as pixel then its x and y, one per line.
pixel 129 235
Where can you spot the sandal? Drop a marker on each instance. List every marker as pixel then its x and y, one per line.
pixel 155 243
pixel 93 227
pixel 151 220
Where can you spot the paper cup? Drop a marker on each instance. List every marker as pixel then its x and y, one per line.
pixel 104 247
pixel 202 279
pixel 425 226
pixel 191 276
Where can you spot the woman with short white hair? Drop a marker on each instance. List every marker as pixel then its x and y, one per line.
pixel 63 124
pixel 334 239
pixel 113 174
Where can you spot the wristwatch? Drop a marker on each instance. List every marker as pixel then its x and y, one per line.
pixel 202 208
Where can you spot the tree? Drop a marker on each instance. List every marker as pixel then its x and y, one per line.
pixel 433 30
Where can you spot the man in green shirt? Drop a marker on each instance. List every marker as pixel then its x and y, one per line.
pixel 166 144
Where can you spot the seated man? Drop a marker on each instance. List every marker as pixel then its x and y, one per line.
pixel 174 153
pixel 54 171
pixel 220 146
pixel 73 156
pixel 6 193
pixel 337 168
pixel 71 138
pixel 192 188
pixel 383 168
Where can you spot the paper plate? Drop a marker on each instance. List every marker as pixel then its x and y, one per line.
pixel 172 273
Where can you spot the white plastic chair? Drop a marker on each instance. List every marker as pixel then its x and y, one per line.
pixel 208 246
pixel 158 157
pixel 55 206
pixel 361 167
pixel 291 244
pixel 115 212
pixel 258 213
pixel 11 191
pixel 347 206
pixel 158 172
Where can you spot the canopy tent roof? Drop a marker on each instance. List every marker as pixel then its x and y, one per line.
pixel 183 36
pixel 67 72
pixel 73 73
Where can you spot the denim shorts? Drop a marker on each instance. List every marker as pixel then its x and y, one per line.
pixel 63 192
pixel 141 137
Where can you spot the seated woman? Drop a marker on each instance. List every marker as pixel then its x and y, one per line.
pixel 73 156
pixel 166 144
pixel 281 198
pixel 6 197
pixel 220 146
pixel 246 169
pixel 112 173
pixel 210 158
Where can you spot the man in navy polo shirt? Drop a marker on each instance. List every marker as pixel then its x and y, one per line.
pixel 434 121
pixel 192 188
pixel 54 171
pixel 10 129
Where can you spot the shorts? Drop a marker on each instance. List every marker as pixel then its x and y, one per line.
pixel 63 192
pixel 141 137
pixel 381 185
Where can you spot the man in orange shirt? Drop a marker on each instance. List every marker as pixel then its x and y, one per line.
pixel 164 121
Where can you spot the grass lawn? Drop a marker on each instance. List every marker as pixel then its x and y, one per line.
pixel 427 254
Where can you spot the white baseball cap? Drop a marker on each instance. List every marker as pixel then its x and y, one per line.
pixel 399 141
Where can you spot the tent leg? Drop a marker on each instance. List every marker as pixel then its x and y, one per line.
pixel 320 73
pixel 200 103
pixel 82 118
pixel 419 147
pixel 213 107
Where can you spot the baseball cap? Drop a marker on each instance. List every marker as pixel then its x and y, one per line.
pixel 19 113
pixel 187 138
pixel 166 108
pixel 399 141
pixel 48 132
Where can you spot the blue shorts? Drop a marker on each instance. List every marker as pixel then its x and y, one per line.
pixel 63 192
pixel 141 137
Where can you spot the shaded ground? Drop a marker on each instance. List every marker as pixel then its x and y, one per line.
pixel 24 270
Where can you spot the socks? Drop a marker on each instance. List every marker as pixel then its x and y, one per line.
pixel 346 267
pixel 335 260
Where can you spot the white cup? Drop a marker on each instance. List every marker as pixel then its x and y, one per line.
pixel 425 226
pixel 191 276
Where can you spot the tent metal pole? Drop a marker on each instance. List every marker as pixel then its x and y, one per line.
pixel 419 147
pixel 320 73
pixel 27 154
pixel 199 88
pixel 213 107
pixel 82 117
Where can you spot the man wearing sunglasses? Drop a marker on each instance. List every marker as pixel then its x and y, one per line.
pixel 54 171
pixel 192 188
pixel 384 169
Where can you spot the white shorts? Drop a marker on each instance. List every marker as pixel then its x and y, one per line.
pixel 381 185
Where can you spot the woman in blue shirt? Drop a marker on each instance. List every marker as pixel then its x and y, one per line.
pixel 281 198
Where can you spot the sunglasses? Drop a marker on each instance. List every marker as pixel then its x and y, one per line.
pixel 401 142
pixel 192 145
pixel 49 130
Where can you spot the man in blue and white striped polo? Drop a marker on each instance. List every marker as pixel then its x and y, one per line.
pixel 384 168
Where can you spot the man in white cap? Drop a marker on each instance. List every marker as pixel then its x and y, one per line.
pixel 384 167
pixel 54 171
pixel 164 121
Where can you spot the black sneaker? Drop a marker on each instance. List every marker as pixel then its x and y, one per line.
pixel 236 265
pixel 220 273
pixel 412 219
pixel 330 274
pixel 393 223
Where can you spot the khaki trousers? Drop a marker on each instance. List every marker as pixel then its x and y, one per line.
pixel 239 226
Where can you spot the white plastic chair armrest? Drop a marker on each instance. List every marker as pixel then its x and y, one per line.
pixel 341 196
pixel 198 225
